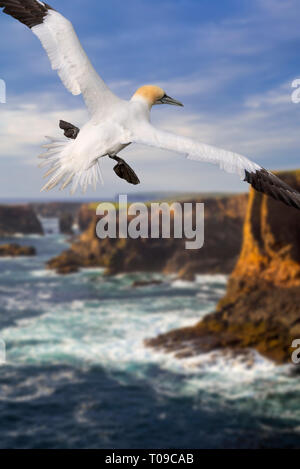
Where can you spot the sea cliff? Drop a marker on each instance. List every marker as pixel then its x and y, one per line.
pixel 66 212
pixel 18 219
pixel 219 254
pixel 261 309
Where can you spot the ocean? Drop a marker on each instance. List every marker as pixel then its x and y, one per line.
pixel 77 373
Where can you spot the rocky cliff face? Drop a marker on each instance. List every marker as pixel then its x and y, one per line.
pixel 18 219
pixel 262 306
pixel 66 212
pixel 219 255
pixel 86 215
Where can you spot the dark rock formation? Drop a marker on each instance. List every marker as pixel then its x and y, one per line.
pixel 18 219
pixel 145 283
pixel 66 212
pixel 224 217
pixel 67 263
pixel 261 309
pixel 66 222
pixel 14 250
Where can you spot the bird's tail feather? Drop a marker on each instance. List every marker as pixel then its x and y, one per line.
pixel 62 168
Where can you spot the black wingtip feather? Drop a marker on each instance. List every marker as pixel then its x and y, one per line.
pixel 267 183
pixel 29 12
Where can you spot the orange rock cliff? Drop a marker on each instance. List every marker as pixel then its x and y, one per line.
pixel 261 309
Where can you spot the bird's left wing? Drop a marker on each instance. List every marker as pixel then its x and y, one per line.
pixel 64 50
pixel 261 179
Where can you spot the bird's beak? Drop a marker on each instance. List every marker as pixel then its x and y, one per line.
pixel 167 100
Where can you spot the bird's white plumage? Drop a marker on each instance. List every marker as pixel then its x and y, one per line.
pixel 147 134
pixel 129 123
pixel 76 162
pixel 114 123
pixel 67 56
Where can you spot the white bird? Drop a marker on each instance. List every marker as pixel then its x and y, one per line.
pixel 115 123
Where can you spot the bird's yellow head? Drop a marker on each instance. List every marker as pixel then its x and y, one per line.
pixel 155 95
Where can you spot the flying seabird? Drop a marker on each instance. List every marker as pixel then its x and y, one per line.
pixel 115 123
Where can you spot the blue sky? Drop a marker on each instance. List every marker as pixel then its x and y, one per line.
pixel 231 62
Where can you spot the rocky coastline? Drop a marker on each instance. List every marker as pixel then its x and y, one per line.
pixel 253 238
pixel 169 256
pixel 261 309
pixel 19 219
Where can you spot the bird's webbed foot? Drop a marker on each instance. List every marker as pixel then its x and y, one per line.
pixel 70 130
pixel 124 171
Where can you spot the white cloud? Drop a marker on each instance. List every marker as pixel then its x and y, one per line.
pixel 271 98
pixel 25 120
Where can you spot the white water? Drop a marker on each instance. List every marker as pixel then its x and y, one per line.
pixel 66 327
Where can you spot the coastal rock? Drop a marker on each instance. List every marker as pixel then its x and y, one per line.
pixel 145 283
pixel 66 212
pixel 66 221
pixel 219 255
pixel 15 250
pixel 86 214
pixel 261 309
pixel 66 264
pixel 18 219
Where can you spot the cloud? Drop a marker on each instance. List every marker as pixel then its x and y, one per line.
pixel 271 98
pixel 27 119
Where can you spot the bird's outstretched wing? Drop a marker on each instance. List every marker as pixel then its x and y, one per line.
pixel 261 179
pixel 64 50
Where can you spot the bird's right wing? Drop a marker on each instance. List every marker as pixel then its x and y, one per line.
pixel 64 50
pixel 261 179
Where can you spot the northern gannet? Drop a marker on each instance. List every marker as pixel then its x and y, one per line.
pixel 115 123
